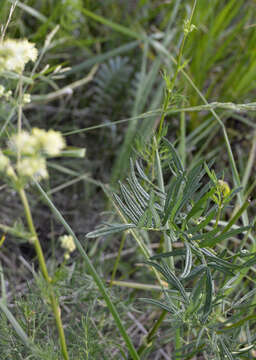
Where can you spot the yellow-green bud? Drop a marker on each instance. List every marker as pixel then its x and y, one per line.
pixel 223 187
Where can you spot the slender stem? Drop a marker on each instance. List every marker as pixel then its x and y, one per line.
pixel 117 259
pixel 168 97
pixel 152 333
pixel 35 239
pixel 57 314
pixel 43 268
pixel 218 214
pixel 36 242
pixel 19 114
pixel 169 91
pixel 182 145
pixel 177 344
pixel 167 242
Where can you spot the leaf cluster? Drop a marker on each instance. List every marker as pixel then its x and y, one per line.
pixel 202 276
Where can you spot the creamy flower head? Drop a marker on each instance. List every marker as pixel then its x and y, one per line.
pixel 15 54
pixel 32 167
pixel 51 141
pixel 4 161
pixel 26 98
pixel 24 143
pixel 10 172
pixel 3 93
pixel 2 89
pixel 67 243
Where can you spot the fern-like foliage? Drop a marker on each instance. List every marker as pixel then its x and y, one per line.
pixel 109 91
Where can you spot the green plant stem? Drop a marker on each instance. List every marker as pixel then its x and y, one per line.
pixel 43 268
pixel 218 215
pixel 177 344
pixel 182 145
pixel 157 138
pixel 117 259
pixel 152 333
pixel 169 92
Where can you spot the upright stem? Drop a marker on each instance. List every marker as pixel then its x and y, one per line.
pixel 182 145
pixel 43 268
pixel 169 91
pixel 117 259
pixel 152 332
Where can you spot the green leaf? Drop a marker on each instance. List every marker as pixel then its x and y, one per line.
pixel 209 293
pixel 211 174
pixel 175 156
pixel 127 212
pixel 219 260
pixel 244 298
pixel 18 329
pixel 176 252
pixel 211 214
pixel 171 198
pixel 130 201
pixel 220 268
pixel 111 229
pixel 155 216
pixel 194 352
pixel 97 59
pixel 141 172
pixel 197 290
pixel 74 152
pixel 117 27
pixel 138 190
pixel 212 241
pixel 208 234
pixel 14 76
pixel 248 263
pixel 237 324
pixel 236 216
pixel 199 205
pixel 170 277
pixel 225 349
pixel 198 270
pixel 188 261
pixel 159 304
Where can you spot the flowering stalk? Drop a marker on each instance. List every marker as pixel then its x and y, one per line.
pixel 43 268
pixel 31 151
pixel 32 144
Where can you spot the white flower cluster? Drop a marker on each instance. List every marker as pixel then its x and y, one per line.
pixel 32 166
pixel 50 141
pixel 37 142
pixel 31 149
pixel 4 93
pixel 26 98
pixel 67 243
pixel 15 54
pixel 4 162
pixel 188 27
